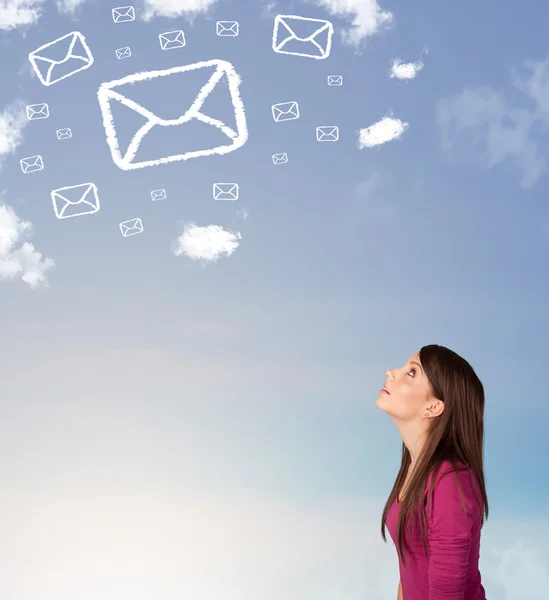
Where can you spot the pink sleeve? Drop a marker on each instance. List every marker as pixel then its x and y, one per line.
pixel 450 532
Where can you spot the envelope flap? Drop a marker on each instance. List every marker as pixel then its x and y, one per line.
pixel 156 95
pixel 58 51
pixel 76 195
pixel 286 107
pixel 302 29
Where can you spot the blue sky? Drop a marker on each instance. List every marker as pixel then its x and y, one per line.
pixel 223 411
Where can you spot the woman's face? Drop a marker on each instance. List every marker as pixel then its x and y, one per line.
pixel 409 391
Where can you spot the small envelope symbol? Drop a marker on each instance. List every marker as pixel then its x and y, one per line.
pixel 327 133
pixel 285 111
pixel 172 39
pixel 75 200
pixel 227 28
pixel 335 80
pixel 123 53
pixel 30 164
pixel 225 191
pixel 131 227
pixel 314 39
pixel 123 14
pixel 37 111
pixel 280 159
pixel 158 195
pixel 61 58
pixel 121 91
pixel 64 134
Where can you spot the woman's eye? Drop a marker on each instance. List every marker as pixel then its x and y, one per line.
pixel 411 371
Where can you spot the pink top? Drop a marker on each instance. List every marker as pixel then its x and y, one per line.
pixel 453 538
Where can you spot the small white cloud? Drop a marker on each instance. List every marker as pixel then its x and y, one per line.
pixel 367 17
pixel 381 132
pixel 69 6
pixel 19 259
pixel 19 13
pixel 13 120
pixel 175 8
pixel 402 70
pixel 205 243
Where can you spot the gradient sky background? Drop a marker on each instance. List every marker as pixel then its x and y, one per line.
pixel 171 427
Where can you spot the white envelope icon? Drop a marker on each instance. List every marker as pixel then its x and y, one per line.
pixel 37 111
pixel 120 90
pixel 158 195
pixel 131 227
pixel 75 200
pixel 123 53
pixel 172 39
pixel 300 36
pixel 227 28
pixel 30 164
pixel 327 133
pixel 225 191
pixel 64 134
pixel 285 111
pixel 280 159
pixel 61 58
pixel 335 80
pixel 123 14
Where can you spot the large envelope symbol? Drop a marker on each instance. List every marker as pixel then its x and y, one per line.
pixel 76 56
pixel 280 159
pixel 227 28
pixel 108 93
pixel 285 111
pixel 37 111
pixel 123 14
pixel 30 164
pixel 131 227
pixel 172 39
pixel 316 44
pixel 225 191
pixel 75 200
pixel 327 133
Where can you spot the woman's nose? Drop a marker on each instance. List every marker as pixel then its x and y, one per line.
pixel 388 374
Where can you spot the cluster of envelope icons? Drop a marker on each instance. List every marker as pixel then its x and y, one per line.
pixel 83 199
pixel 70 54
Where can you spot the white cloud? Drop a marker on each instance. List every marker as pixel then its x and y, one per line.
pixel 18 13
pixel 69 6
pixel 500 129
pixel 175 8
pixel 367 17
pixel 19 259
pixel 205 243
pixel 381 132
pixel 402 70
pixel 13 120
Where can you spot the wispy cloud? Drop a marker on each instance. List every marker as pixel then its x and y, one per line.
pixel 401 70
pixel 499 129
pixel 381 132
pixel 175 8
pixel 19 259
pixel 19 13
pixel 69 6
pixel 205 243
pixel 368 18
pixel 13 120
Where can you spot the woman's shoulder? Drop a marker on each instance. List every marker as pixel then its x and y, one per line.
pixel 454 481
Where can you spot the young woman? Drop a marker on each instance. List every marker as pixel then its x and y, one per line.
pixel 438 503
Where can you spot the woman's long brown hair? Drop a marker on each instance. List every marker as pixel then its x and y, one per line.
pixel 457 436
